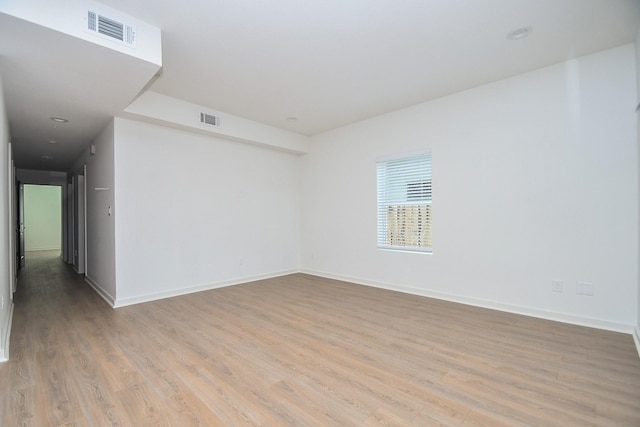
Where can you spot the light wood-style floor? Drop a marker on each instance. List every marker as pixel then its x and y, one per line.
pixel 301 351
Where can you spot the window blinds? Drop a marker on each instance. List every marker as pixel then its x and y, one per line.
pixel 404 203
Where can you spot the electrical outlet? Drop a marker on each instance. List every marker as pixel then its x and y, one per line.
pixel 584 288
pixel 556 285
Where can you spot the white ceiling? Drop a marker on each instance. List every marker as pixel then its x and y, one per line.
pixel 46 73
pixel 333 62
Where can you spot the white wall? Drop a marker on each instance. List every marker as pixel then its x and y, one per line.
pixel 163 110
pixel 99 179
pixel 196 212
pixel 78 224
pixel 68 233
pixel 12 223
pixel 534 178
pixel 6 304
pixel 42 217
pixel 30 176
pixel 637 45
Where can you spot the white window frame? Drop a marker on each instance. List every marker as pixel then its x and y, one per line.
pixel 405 216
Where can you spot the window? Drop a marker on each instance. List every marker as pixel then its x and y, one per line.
pixel 404 203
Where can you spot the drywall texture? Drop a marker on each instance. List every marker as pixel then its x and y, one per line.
pixel 99 179
pixel 166 111
pixel 637 46
pixel 195 211
pixel 5 252
pixel 534 179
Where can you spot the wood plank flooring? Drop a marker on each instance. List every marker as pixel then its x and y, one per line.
pixel 301 351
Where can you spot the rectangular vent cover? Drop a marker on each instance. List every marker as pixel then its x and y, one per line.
pixel 209 119
pixel 111 28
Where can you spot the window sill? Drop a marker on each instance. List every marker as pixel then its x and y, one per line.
pixel 407 250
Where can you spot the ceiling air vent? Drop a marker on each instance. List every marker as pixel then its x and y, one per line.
pixel 110 28
pixel 209 119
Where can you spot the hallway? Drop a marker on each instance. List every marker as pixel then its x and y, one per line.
pixel 56 316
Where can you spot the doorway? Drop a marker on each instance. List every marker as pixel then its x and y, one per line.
pixel 42 227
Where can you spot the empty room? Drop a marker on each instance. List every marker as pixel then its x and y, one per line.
pixel 297 213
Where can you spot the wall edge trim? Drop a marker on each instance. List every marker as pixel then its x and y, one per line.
pixel 199 288
pixel 100 291
pixel 515 309
pixel 4 354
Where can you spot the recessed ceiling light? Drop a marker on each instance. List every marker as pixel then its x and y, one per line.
pixel 292 119
pixel 47 157
pixel 59 120
pixel 519 33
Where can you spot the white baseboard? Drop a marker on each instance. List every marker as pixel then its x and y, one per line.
pixel 4 346
pixel 526 311
pixel 636 338
pixel 104 294
pixel 199 288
